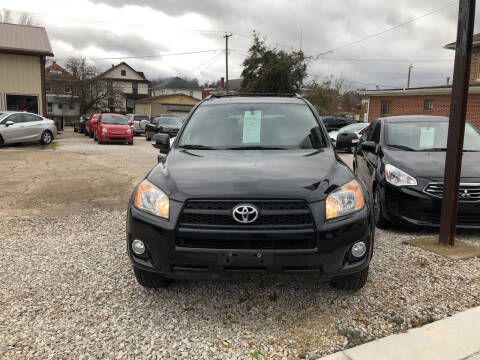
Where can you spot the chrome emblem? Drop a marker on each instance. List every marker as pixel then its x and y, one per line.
pixel 465 194
pixel 245 213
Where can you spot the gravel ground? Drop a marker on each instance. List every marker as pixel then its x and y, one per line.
pixel 67 289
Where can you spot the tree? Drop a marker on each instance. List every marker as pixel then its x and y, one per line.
pixel 331 96
pixel 91 91
pixel 271 70
pixel 24 18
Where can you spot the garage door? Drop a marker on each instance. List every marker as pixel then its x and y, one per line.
pixel 22 103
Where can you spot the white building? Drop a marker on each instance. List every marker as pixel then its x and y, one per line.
pixel 178 85
pixel 127 85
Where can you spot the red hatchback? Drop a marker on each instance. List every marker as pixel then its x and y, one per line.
pixel 90 125
pixel 113 128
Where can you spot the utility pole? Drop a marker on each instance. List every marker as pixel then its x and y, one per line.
pixel 410 67
pixel 226 36
pixel 456 125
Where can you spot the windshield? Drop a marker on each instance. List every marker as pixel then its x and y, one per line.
pixel 3 115
pixel 140 117
pixel 253 126
pixel 353 128
pixel 168 121
pixel 427 136
pixel 114 119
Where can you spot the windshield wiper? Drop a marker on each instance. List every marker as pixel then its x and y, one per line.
pixel 196 147
pixel 434 149
pixel 255 147
pixel 401 147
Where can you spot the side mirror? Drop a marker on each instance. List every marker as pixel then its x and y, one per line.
pixel 9 123
pixel 345 140
pixel 130 122
pixel 161 141
pixel 369 146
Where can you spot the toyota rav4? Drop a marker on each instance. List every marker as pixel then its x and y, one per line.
pixel 250 184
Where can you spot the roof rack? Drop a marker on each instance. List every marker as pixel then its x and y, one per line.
pixel 217 96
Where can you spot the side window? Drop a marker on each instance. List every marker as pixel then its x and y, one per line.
pixel 30 118
pixel 16 118
pixel 376 132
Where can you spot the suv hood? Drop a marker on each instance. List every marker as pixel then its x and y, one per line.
pixel 250 174
pixel 431 165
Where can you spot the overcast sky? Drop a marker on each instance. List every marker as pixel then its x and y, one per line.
pixel 125 28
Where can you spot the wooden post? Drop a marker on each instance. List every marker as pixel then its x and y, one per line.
pixel 456 126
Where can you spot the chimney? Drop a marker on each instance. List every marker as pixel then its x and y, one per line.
pixel 113 65
pixel 222 82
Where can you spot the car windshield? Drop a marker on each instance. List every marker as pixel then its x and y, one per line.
pixel 427 136
pixel 253 126
pixel 353 128
pixel 3 116
pixel 168 121
pixel 114 119
pixel 140 117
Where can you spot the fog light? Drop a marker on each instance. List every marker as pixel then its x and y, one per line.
pixel 359 249
pixel 138 247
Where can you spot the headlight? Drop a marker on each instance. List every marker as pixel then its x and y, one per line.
pixel 345 200
pixel 104 130
pixel 129 131
pixel 151 199
pixel 398 177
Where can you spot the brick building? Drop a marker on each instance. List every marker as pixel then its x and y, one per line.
pixel 433 100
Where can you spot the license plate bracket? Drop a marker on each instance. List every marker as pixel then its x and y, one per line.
pixel 245 259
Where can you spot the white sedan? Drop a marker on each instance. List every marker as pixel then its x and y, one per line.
pixel 357 128
pixel 20 126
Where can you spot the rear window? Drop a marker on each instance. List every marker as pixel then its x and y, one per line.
pixel 140 117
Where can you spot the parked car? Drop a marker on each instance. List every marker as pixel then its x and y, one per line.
pixel 348 136
pixel 24 127
pixel 113 128
pixel 164 125
pixel 79 124
pixel 139 123
pixel 334 123
pixel 250 184
pixel 401 160
pixel 90 125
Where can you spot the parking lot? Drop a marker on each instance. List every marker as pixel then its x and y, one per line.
pixel 67 289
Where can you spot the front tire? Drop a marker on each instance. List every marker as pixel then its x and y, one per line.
pixel 46 137
pixel 380 220
pixel 353 282
pixel 151 280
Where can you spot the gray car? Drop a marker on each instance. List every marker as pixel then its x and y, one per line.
pixel 139 123
pixel 18 126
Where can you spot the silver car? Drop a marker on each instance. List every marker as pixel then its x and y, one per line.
pixel 139 123
pixel 18 126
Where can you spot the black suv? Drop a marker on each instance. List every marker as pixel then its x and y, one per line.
pixel 336 123
pixel 250 184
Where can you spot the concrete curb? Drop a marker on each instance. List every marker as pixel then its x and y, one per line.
pixel 454 338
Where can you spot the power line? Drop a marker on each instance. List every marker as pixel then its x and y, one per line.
pixel 355 82
pixel 386 30
pixel 385 60
pixel 149 56
pixel 210 61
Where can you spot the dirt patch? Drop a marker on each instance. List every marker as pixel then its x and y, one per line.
pixel 55 182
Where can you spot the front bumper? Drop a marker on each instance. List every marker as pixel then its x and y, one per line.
pixel 328 258
pixel 116 137
pixel 410 206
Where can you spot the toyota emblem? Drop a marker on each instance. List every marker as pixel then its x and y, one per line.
pixel 245 213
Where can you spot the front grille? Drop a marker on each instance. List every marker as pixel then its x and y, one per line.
pixel 280 225
pixel 272 214
pixel 462 219
pixel 467 191
pixel 308 242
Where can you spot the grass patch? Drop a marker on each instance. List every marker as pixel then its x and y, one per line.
pixel 255 354
pixel 53 145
